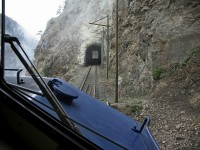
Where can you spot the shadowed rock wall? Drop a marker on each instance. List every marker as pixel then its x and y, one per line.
pixel 153 34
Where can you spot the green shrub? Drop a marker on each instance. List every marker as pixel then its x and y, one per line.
pixel 136 108
pixel 157 73
pixel 46 71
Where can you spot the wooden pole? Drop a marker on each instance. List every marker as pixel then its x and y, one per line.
pixel 107 52
pixel 107 44
pixel 116 80
pixel 102 48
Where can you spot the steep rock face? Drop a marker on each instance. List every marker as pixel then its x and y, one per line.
pixel 65 39
pixel 154 35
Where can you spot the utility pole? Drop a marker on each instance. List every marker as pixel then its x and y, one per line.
pixel 107 45
pixel 116 46
pixel 107 53
pixel 102 47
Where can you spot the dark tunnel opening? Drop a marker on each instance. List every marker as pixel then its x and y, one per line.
pixel 93 54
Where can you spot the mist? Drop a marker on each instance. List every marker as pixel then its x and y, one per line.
pixel 27 41
pixel 80 14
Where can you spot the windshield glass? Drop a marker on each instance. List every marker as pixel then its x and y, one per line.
pixel 26 20
pixel 18 55
pixel 140 54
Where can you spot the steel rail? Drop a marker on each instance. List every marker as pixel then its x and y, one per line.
pixel 85 79
pixel 90 88
pixel 95 81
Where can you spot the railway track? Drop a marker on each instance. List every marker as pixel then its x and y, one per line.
pixel 89 84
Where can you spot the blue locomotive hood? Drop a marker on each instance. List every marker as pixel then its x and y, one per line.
pixel 98 122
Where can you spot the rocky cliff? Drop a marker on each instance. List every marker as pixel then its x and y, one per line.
pixel 159 54
pixel 66 37
pixel 154 36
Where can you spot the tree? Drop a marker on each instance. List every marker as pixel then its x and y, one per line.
pixel 59 11
pixel 40 32
pixel 65 4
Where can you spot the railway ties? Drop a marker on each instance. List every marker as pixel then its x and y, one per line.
pixel 89 84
